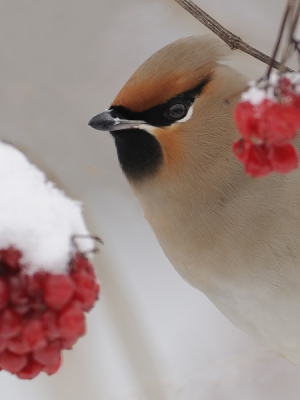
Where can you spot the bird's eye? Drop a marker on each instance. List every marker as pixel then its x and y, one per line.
pixel 177 111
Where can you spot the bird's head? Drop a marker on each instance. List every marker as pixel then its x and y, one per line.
pixel 171 115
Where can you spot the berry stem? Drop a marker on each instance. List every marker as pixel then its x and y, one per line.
pixel 289 8
pixel 94 237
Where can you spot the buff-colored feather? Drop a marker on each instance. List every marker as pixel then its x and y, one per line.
pixel 235 238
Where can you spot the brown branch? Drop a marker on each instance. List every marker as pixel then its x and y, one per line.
pixel 232 40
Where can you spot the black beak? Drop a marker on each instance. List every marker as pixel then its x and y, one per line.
pixel 106 122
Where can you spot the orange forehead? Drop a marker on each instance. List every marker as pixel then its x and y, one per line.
pixel 138 95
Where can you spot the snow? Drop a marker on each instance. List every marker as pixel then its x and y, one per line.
pixel 294 77
pixel 35 216
pixel 254 95
pixel 258 91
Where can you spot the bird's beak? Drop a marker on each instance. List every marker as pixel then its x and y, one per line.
pixel 106 121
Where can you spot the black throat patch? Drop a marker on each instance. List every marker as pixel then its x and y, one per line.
pixel 140 153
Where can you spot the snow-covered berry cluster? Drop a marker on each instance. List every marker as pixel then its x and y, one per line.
pixel 46 281
pixel 41 314
pixel 268 118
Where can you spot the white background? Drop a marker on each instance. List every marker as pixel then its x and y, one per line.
pixel 151 336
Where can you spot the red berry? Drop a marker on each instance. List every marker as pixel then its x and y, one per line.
pixel 295 99
pixel 10 324
pixel 18 345
pixel 257 163
pixel 41 314
pixel 284 158
pixel 4 294
pixel 58 291
pixel 71 321
pixel 240 149
pixel 49 354
pixel 69 343
pixel 3 344
pixel 87 290
pixel 97 290
pixel 50 324
pixel 31 370
pixel 22 309
pixel 12 362
pixel 11 257
pixel 245 117
pixel 35 285
pixel 17 289
pixel 34 334
pixel 278 123
pixel 81 262
pixel 53 368
pixel 285 86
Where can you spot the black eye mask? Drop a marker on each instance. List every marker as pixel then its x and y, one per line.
pixel 163 114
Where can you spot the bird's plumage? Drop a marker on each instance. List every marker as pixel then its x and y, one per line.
pixel 233 237
pixel 172 70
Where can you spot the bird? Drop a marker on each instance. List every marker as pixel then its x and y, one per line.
pixel 233 237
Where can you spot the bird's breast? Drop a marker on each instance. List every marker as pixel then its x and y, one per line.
pixel 243 253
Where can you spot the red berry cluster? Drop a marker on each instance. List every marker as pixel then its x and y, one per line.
pixel 268 129
pixel 41 314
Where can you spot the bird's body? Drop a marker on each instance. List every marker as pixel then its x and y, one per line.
pixel 240 246
pixel 233 237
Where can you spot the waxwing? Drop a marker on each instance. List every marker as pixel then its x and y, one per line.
pixel 235 238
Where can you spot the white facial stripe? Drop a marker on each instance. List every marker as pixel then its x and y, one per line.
pixel 151 129
pixel 146 127
pixel 188 115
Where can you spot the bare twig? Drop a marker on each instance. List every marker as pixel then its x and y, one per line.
pixel 82 236
pixel 233 41
pixel 286 14
pixel 292 42
pixel 295 21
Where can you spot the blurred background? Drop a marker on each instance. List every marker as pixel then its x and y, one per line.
pixel 151 336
